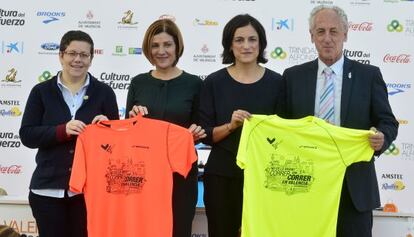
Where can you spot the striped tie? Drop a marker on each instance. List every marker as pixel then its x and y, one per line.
pixel 326 100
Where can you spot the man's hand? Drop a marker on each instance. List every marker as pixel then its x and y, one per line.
pixel 376 140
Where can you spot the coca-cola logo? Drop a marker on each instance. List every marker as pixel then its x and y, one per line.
pixel 12 169
pixel 364 26
pixel 402 58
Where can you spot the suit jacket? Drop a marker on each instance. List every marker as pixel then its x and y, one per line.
pixel 43 127
pixel 364 104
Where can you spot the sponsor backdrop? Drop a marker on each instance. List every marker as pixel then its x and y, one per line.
pixel 30 35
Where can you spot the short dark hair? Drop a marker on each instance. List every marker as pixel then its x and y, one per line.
pixel 75 35
pixel 228 34
pixel 157 27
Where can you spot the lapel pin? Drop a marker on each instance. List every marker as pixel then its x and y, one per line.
pixel 349 75
pixel 85 97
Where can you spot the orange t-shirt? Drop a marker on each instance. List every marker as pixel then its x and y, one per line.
pixel 125 170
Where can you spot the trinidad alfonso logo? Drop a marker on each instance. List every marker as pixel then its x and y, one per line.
pixel 290 175
pixel 46 75
pixel 395 26
pixel 278 53
pixel 392 150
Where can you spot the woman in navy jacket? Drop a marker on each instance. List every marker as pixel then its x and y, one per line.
pixel 56 111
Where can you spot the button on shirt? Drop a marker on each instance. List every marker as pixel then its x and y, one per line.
pixel 337 68
pixel 74 102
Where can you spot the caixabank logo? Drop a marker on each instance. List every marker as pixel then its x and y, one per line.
pixel 11 17
pixel 392 182
pixel 9 139
pixel 49 17
pixel 12 47
pixel 283 24
pixel 122 112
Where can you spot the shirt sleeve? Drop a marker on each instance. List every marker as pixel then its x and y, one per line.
pixel 180 149
pixel 207 110
pixel 241 159
pixel 353 144
pixel 78 176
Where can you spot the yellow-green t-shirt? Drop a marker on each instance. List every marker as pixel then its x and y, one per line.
pixel 293 174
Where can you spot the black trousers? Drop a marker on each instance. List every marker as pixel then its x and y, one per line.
pixel 63 217
pixel 185 191
pixel 351 222
pixel 223 199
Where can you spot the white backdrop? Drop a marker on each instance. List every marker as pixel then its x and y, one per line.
pixel 381 33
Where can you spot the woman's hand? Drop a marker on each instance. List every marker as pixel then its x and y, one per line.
pixel 138 109
pixel 237 119
pixel 197 131
pixel 75 127
pixel 99 118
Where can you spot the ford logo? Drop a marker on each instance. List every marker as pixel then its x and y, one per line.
pixel 50 46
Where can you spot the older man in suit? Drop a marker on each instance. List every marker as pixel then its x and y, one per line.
pixel 355 97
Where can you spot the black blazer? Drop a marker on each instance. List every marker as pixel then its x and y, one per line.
pixel 364 104
pixel 45 111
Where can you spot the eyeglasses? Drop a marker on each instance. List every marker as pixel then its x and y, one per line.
pixel 73 54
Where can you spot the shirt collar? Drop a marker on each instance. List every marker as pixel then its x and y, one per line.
pixel 60 84
pixel 336 67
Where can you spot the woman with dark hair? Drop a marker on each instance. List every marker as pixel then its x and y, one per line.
pixel 56 112
pixel 170 94
pixel 229 96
